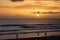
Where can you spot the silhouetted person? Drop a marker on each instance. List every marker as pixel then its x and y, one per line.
pixel 38 34
pixel 45 34
pixel 17 36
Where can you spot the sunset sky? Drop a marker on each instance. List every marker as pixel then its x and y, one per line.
pixel 23 9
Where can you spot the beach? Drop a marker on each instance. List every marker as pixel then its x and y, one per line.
pixel 32 28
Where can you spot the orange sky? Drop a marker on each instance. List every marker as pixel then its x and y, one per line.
pixel 24 9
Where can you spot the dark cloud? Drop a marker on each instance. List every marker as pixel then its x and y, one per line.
pixel 17 0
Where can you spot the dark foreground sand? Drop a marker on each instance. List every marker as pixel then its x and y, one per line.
pixel 39 38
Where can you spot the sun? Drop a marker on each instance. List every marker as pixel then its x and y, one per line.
pixel 38 15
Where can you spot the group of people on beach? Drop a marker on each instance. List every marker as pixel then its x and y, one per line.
pixel 44 34
pixel 37 34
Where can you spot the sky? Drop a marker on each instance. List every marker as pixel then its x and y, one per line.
pixel 23 9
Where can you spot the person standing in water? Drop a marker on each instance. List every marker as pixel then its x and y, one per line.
pixel 17 36
pixel 45 34
pixel 38 34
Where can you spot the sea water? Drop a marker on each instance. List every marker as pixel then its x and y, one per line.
pixel 27 27
pixel 29 22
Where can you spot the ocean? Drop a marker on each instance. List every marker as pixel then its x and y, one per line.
pixel 28 28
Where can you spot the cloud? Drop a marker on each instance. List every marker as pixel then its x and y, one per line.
pixel 4 6
pixel 17 0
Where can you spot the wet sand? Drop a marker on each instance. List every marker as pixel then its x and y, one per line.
pixel 13 36
pixel 57 37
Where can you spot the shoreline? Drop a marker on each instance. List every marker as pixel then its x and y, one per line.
pixel 33 35
pixel 57 37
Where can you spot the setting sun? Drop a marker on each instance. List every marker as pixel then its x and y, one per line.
pixel 38 15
